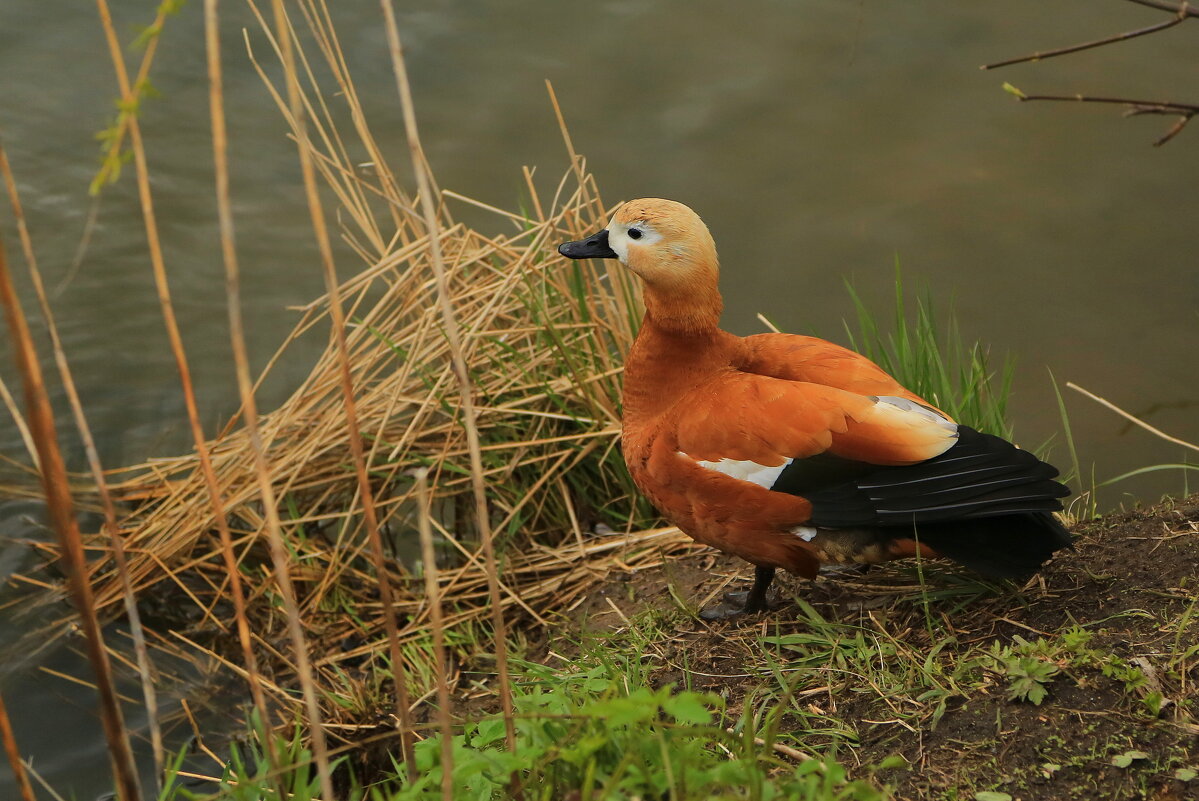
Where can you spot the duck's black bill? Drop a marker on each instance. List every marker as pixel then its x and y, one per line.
pixel 593 247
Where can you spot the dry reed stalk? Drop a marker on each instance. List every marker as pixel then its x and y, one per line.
pixel 19 420
pixel 461 372
pixel 345 374
pixel 14 754
pixel 278 550
pixel 241 362
pixel 111 525
pixel 211 483
pixel 60 510
pixel 440 663
pixel 1131 418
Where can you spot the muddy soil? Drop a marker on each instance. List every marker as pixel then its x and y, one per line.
pixel 1119 717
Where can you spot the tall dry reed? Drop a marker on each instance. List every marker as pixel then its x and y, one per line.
pixel 60 509
pixel 9 741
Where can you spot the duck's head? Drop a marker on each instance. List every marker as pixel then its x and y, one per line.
pixel 670 248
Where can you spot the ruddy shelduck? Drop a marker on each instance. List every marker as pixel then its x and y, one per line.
pixel 792 452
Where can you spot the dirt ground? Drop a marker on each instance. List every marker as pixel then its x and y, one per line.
pixel 926 663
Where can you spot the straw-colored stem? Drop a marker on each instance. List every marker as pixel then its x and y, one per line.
pixel 543 346
pixel 337 321
pixel 441 666
pixel 320 750
pixel 14 754
pixel 162 287
pixel 19 421
pixel 93 460
pixel 237 335
pixel 1131 418
pixel 454 337
pixel 60 510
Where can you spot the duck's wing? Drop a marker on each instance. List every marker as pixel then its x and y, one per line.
pixel 817 361
pixel 740 417
pixel 859 460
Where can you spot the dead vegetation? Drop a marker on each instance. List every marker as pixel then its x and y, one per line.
pixel 542 341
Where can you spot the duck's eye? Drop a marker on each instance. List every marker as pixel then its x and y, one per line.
pixel 634 233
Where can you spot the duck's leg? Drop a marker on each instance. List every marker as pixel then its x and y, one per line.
pixel 755 601
pixel 736 603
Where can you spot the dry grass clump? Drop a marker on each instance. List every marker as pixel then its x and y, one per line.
pixel 543 340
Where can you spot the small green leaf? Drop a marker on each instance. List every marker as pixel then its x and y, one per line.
pixel 1127 758
pixel 991 795
pixel 1185 774
pixel 688 708
pixel 893 762
pixel 1011 90
pixel 490 731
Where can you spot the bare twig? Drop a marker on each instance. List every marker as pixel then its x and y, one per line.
pixel 1108 404
pixel 1185 111
pixel 1182 12
pixel 786 750
pixel 1169 5
pixel 1061 51
pixel 1135 106
pixel 1173 131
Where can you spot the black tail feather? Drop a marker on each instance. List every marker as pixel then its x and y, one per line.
pixel 981 476
pixel 1009 546
pixel 984 503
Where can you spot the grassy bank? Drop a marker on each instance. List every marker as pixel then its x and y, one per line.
pixel 902 682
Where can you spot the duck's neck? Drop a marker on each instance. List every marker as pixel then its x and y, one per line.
pixel 691 311
pixel 669 360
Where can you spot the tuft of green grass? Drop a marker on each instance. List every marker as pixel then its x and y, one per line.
pixel 934 361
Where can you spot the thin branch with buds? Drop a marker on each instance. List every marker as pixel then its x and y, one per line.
pixel 1185 111
pixel 1061 51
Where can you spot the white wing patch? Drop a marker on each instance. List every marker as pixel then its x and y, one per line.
pixel 745 470
pixel 805 533
pixel 903 406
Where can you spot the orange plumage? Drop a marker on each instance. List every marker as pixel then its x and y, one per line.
pixel 790 451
